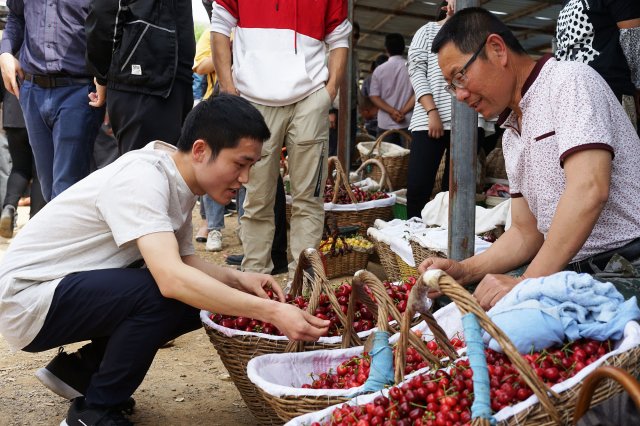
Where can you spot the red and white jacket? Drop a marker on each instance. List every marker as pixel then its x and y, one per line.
pixel 279 54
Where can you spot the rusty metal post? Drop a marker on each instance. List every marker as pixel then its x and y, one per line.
pixel 462 174
pixel 344 108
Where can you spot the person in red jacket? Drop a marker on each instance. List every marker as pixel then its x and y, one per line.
pixel 279 65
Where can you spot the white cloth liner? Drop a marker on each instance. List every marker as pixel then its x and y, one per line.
pixel 386 149
pixel 284 373
pixel 438 239
pixel 631 339
pixel 436 212
pixel 396 234
pixel 385 202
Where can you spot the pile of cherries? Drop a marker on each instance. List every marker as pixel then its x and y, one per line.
pixel 359 194
pixel 355 371
pixel 363 319
pixel 445 398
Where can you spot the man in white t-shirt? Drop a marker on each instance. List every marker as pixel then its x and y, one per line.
pixel 571 156
pixel 70 274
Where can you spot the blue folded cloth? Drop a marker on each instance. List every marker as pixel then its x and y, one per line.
pixel 541 312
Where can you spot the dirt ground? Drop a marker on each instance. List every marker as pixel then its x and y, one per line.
pixel 186 385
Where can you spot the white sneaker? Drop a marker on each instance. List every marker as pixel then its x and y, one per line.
pixel 214 241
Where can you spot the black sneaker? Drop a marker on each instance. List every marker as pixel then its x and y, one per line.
pixel 68 375
pixel 82 415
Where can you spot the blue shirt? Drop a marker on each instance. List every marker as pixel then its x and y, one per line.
pixel 47 36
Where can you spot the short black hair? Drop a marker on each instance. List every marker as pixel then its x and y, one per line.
pixel 222 121
pixel 468 28
pixel 394 43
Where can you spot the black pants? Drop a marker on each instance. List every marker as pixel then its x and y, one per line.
pixel 23 171
pixel 138 119
pixel 124 314
pixel 424 160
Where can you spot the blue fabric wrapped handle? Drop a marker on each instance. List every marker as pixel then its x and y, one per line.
pixel 481 406
pixel 381 369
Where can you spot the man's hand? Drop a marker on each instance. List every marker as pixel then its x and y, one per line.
pixel 436 130
pixel 10 67
pixel 397 116
pixel 229 88
pixel 99 97
pixel 494 287
pixel 454 269
pixel 332 90
pixel 297 324
pixel 254 283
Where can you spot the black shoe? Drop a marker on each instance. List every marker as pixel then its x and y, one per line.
pixel 234 259
pixel 82 415
pixel 68 375
pixel 8 221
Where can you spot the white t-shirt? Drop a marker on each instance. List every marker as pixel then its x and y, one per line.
pixel 567 107
pixel 92 225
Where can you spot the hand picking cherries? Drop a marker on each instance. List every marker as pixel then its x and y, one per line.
pixel 363 320
pixel 444 398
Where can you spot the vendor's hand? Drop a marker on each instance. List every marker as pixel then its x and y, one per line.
pixel 297 324
pixel 454 269
pixel 436 130
pixel 494 287
pixel 254 283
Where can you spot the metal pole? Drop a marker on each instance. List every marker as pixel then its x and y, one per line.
pixel 344 107
pixel 462 174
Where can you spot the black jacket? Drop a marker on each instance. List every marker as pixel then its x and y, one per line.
pixel 140 45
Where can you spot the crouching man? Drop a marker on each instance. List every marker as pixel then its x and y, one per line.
pixel 74 272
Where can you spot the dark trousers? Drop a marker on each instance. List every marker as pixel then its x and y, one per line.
pixel 23 171
pixel 124 314
pixel 137 119
pixel 424 160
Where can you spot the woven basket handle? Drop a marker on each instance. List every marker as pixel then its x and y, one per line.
pixel 438 280
pixel 319 285
pixel 417 303
pixel 341 179
pixel 406 136
pixel 591 382
pixel 384 178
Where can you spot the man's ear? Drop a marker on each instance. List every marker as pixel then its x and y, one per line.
pixel 496 47
pixel 200 150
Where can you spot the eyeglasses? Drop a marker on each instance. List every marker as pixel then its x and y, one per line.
pixel 459 80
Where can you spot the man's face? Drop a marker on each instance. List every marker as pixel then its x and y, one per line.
pixel 485 83
pixel 222 177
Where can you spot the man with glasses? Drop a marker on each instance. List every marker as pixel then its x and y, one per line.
pixel 571 156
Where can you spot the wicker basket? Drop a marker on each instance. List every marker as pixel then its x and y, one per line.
pixel 290 406
pixel 397 166
pixel 421 253
pixel 345 264
pixel 553 408
pixel 363 217
pixel 235 351
pixel 495 167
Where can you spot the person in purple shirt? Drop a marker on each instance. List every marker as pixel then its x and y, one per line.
pixel 42 58
pixel 391 89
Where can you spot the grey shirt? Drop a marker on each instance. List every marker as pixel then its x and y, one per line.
pixel 391 82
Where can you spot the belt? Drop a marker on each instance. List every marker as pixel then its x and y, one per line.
pixel 49 82
pixel 630 251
